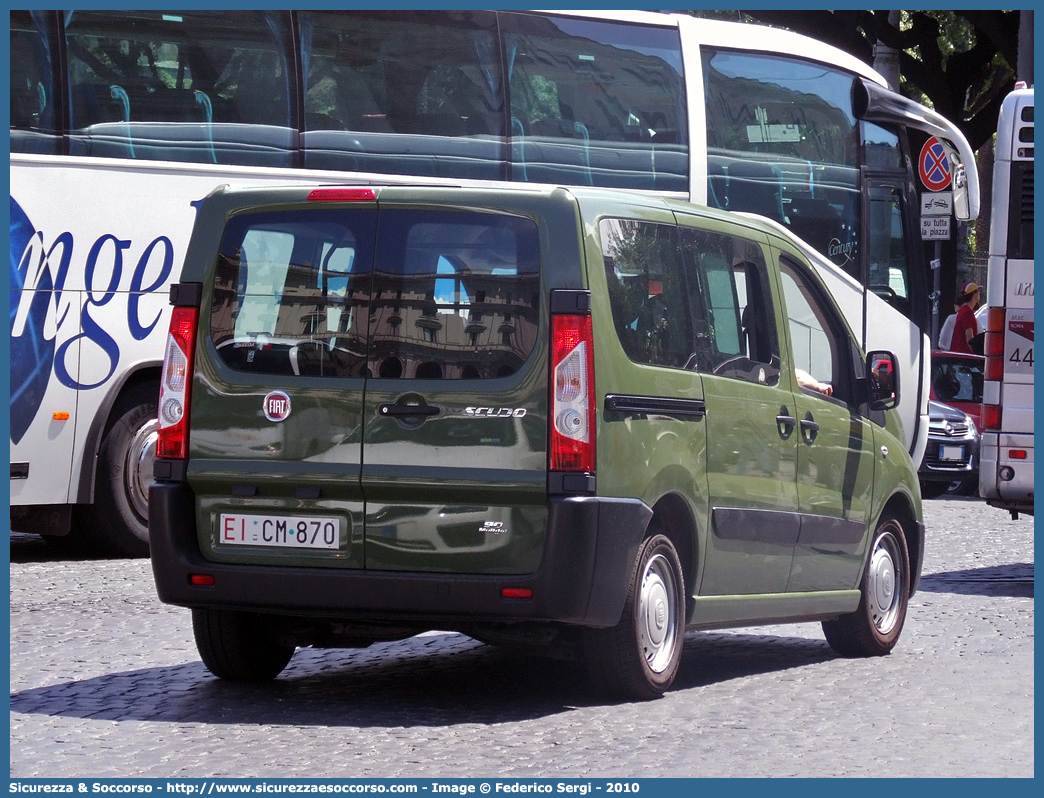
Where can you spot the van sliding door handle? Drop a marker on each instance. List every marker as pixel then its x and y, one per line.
pixel 785 423
pixel 809 428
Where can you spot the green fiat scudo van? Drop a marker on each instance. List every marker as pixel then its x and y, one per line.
pixel 579 418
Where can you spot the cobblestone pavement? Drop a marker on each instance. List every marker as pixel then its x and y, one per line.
pixel 105 682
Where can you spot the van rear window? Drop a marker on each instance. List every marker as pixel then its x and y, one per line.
pixel 432 295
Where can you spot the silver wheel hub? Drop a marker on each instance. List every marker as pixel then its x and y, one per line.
pixel 138 474
pixel 884 584
pixel 657 618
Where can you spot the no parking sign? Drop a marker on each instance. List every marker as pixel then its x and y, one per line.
pixel 934 165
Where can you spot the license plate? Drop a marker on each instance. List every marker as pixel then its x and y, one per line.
pixel 284 531
pixel 951 452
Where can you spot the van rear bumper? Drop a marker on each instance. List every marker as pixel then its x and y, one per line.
pixel 591 546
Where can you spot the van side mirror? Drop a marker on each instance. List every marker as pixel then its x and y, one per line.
pixel 882 372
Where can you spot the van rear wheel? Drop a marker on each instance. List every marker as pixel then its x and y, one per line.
pixel 638 658
pixel 874 628
pixel 234 646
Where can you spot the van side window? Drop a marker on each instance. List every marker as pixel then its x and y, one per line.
pixel 735 331
pixel 648 291
pixel 815 333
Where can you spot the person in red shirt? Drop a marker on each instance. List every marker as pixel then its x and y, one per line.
pixel 966 327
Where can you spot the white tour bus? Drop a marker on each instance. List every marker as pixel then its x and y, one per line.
pixel 1006 453
pixel 122 121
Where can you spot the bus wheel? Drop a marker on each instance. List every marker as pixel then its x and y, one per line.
pixel 119 518
pixel 233 646
pixel 638 658
pixel 874 628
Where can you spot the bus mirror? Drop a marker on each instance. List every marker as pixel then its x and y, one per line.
pixel 961 203
pixel 882 371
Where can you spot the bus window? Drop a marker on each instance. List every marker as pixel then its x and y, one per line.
pixel 881 148
pixel 889 275
pixel 782 141
pixel 596 103
pixel 32 87
pixel 403 93
pixel 198 86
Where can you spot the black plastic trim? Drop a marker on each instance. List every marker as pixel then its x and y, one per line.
pixel 571 483
pixel 763 526
pixel 165 470
pixel 589 553
pixel 186 295
pixel 785 528
pixel 692 409
pixel 915 572
pixel 570 302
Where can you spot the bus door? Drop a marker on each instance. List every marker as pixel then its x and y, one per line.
pixel 897 289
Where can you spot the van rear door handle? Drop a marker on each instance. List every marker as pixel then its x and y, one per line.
pixel 785 423
pixel 407 410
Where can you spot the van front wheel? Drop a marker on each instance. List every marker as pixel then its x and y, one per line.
pixel 874 628
pixel 234 646
pixel 638 658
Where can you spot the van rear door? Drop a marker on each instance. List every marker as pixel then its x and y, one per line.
pixel 276 419
pixel 454 442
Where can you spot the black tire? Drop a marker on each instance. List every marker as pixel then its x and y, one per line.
pixel 234 646
pixel 638 658
pixel 118 521
pixel 874 628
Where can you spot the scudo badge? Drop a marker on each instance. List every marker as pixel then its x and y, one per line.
pixel 277 406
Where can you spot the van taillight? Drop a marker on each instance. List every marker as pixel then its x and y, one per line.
pixel 572 394
pixel 176 383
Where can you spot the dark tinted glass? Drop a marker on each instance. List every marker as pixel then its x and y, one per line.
pixel 596 103
pixel 291 293
pixel 957 379
pixel 455 295
pixel 734 328
pixel 32 86
pixel 783 142
pixel 403 92
pixel 452 296
pixel 648 291
pixel 199 86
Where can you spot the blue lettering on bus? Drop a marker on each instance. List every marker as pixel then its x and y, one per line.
pixel 138 330
pixel 39 314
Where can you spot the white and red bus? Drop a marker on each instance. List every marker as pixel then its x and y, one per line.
pixel 1006 451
